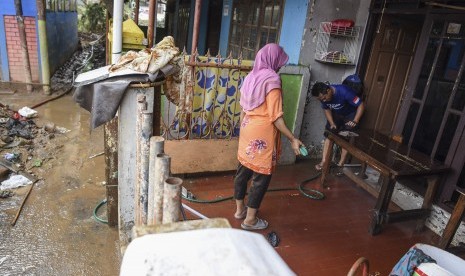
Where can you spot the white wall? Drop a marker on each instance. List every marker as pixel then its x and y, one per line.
pixel 314 121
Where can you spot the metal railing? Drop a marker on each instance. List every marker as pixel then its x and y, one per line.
pixel 206 105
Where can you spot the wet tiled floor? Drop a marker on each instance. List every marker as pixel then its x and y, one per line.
pixel 318 237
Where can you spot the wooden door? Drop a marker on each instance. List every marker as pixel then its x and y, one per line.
pixel 388 68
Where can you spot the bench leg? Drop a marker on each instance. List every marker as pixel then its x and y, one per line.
pixel 327 164
pixel 382 204
pixel 433 182
pixel 453 223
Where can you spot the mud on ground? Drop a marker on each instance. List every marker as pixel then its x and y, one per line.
pixel 56 233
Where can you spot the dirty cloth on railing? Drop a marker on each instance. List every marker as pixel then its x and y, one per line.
pixel 102 98
pixel 100 91
pixel 148 60
pixel 179 87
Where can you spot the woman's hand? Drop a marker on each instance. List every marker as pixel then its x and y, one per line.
pixel 295 144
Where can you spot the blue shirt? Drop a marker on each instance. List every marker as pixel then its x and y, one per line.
pixel 344 102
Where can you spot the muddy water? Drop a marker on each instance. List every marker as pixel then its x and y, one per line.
pixel 55 233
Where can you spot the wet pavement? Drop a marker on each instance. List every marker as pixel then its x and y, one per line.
pixel 56 233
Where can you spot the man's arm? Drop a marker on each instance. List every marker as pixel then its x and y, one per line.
pixel 329 117
pixel 358 115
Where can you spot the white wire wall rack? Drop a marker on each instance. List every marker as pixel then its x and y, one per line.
pixel 337 44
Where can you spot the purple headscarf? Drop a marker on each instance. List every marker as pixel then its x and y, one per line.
pixel 263 77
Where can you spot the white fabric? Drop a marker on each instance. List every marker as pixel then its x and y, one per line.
pixel 431 269
pixel 446 260
pixel 222 251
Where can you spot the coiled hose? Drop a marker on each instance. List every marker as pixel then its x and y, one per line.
pixel 310 193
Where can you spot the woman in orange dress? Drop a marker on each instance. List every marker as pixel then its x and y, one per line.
pixel 259 139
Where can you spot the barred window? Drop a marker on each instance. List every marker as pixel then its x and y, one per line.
pixel 61 5
pixel 254 24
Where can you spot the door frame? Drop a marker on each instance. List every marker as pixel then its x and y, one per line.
pixel 456 156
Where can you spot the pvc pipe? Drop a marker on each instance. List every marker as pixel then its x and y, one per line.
pixel 162 172
pixel 172 199
pixel 117 43
pixel 43 46
pixel 202 216
pixel 143 134
pixel 157 144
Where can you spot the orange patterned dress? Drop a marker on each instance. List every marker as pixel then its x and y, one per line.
pixel 259 140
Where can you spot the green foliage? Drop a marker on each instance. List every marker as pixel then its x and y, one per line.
pixel 92 18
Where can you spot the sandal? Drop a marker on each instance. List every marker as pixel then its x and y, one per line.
pixel 319 167
pixel 242 215
pixel 259 225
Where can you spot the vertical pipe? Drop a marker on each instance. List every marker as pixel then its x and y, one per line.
pixel 152 26
pixel 162 172
pixel 136 12
pixel 143 134
pixel 110 134
pixel 23 41
pixel 117 43
pixel 157 110
pixel 172 199
pixel 42 30
pixel 107 40
pixel 157 144
pixel 195 36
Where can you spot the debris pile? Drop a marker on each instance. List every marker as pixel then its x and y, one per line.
pixel 90 55
pixel 24 147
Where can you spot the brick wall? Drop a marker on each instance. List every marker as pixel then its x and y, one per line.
pixel 15 56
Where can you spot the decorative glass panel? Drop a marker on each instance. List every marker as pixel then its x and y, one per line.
pixel 436 30
pixel 447 136
pixel 459 100
pixel 461 182
pixel 426 67
pixel 410 121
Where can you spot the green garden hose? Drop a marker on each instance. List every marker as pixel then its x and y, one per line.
pixel 103 202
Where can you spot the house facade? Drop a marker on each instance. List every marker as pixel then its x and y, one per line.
pixel 62 37
pixel 409 54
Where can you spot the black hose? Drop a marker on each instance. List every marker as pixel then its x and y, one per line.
pixel 310 193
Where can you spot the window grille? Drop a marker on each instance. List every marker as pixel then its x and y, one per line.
pixel 254 24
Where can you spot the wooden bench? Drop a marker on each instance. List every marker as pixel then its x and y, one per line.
pixel 394 161
pixel 454 221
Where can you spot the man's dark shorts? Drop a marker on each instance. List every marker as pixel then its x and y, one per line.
pixel 340 121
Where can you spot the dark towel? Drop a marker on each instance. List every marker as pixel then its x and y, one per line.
pixel 102 98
